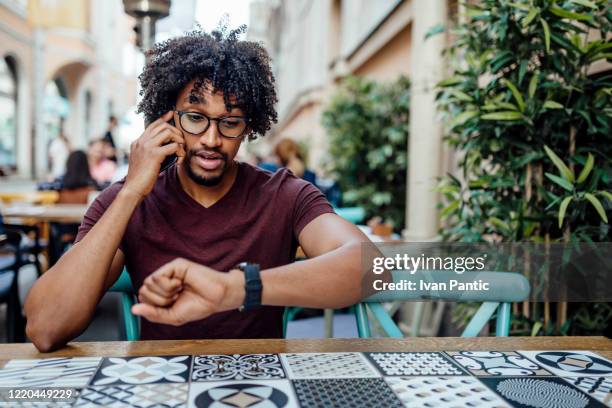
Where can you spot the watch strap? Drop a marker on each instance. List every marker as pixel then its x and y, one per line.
pixel 252 284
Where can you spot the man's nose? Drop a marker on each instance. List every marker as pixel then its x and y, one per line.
pixel 212 137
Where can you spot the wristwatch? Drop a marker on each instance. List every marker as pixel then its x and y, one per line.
pixel 252 286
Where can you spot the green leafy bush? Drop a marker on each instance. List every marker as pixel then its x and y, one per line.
pixel 367 124
pixel 532 126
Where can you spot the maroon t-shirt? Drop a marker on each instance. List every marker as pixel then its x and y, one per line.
pixel 258 220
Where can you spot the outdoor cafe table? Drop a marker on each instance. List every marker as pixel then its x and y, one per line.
pixel 249 372
pixel 63 213
pixel 599 345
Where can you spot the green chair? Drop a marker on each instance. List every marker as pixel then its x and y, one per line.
pixel 124 286
pixel 504 288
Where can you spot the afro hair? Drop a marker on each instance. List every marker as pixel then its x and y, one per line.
pixel 238 69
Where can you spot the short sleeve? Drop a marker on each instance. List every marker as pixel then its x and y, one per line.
pixel 310 203
pixel 97 209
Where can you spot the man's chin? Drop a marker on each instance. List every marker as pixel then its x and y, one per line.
pixel 206 180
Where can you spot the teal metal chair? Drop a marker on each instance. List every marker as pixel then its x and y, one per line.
pixel 124 286
pixel 504 288
pixel 356 215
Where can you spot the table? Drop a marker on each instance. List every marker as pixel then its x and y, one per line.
pixel 66 213
pixel 600 345
pixel 34 197
pixel 246 372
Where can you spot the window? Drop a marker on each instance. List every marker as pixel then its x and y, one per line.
pixel 8 113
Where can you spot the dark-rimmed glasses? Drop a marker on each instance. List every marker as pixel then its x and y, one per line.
pixel 196 123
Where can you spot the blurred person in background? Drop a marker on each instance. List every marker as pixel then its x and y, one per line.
pixel 290 156
pixel 75 187
pixel 77 183
pixel 101 168
pixel 58 151
pixel 269 163
pixel 111 149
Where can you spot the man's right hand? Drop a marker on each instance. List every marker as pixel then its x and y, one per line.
pixel 160 139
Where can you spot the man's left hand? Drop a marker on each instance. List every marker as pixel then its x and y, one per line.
pixel 182 291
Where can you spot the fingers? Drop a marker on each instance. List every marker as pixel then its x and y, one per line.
pixel 149 296
pixel 166 133
pixel 157 314
pixel 162 119
pixel 161 288
pixel 165 288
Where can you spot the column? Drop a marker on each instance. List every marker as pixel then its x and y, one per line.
pixel 39 143
pixel 425 141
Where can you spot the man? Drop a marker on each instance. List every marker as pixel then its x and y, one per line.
pixel 181 233
pixel 108 136
pixel 111 149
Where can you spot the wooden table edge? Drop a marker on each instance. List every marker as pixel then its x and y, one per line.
pixel 600 345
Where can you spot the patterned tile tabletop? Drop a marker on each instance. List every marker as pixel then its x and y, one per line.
pixel 483 379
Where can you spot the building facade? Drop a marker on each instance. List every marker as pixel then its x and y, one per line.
pixel 62 63
pixel 316 43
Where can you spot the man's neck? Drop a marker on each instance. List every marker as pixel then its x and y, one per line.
pixel 208 196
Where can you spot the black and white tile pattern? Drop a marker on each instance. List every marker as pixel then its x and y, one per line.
pixel 496 363
pixel 345 392
pixel 479 379
pixel 143 370
pixel 328 365
pixel 237 367
pixel 52 372
pixel 571 363
pixel 455 391
pixel 391 364
pixel 166 395
pixel 539 392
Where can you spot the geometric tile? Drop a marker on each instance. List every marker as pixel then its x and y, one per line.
pixel 51 372
pixel 599 388
pixel 236 367
pixel 327 365
pixel 482 363
pixel 23 404
pixel 571 363
pixel 414 364
pixel 457 391
pixel 345 392
pixel 251 393
pixel 544 392
pixel 143 370
pixel 143 395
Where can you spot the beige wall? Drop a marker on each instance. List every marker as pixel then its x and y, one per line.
pixel 383 55
pixel 390 61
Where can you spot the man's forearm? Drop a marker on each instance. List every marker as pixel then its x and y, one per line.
pixel 61 303
pixel 331 280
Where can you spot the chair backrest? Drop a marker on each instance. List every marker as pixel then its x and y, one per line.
pixel 503 288
pixel 124 286
pixel 351 214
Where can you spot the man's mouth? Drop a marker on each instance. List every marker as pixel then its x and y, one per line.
pixel 209 161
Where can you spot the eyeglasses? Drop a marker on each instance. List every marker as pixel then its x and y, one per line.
pixel 196 123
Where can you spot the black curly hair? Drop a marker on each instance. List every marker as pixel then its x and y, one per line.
pixel 238 69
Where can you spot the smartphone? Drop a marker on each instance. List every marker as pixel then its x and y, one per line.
pixel 170 159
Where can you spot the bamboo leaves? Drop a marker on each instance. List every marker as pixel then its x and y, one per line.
pixel 563 169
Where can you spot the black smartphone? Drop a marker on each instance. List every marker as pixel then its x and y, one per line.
pixel 170 159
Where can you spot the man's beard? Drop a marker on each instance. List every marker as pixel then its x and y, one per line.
pixel 205 181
